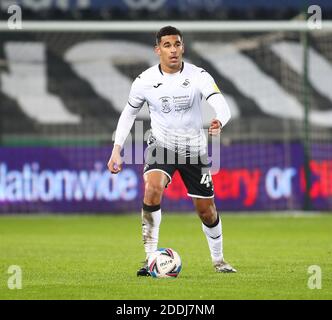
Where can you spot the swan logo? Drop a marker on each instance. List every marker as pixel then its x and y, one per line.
pixel 185 84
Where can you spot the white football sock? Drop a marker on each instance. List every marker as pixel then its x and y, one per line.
pixel 214 238
pixel 150 230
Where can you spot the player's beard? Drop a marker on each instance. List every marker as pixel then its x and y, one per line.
pixel 175 64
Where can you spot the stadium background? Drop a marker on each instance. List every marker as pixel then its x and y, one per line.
pixel 62 93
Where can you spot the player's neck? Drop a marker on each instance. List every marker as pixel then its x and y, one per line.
pixel 167 69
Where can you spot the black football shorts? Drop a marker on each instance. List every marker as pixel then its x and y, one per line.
pixel 194 171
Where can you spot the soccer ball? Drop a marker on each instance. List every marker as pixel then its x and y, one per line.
pixel 164 263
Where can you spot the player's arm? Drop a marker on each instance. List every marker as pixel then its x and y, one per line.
pixel 125 123
pixel 223 114
pixel 216 100
pixel 123 128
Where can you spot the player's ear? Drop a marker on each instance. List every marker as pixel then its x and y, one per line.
pixel 157 50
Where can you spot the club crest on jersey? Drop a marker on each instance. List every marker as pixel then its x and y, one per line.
pixel 186 84
pixel 165 104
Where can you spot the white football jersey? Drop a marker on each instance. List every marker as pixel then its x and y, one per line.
pixel 174 102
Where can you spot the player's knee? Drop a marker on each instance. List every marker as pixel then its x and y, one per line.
pixel 153 193
pixel 208 218
pixel 208 214
pixel 205 213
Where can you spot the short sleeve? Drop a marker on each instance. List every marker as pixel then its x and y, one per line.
pixel 136 96
pixel 206 84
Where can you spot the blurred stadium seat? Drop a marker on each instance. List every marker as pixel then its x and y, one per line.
pixel 61 94
pixel 163 9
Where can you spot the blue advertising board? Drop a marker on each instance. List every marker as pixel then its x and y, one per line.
pixel 75 179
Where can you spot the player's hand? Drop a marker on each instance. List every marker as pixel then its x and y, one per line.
pixel 115 162
pixel 215 127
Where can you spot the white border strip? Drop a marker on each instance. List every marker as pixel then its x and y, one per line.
pixel 169 177
pixel 201 197
pixel 153 26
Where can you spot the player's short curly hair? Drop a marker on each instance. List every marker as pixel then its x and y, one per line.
pixel 167 31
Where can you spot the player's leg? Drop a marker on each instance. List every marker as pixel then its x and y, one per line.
pixel 154 185
pixel 157 175
pixel 211 224
pixel 198 181
pixel 212 227
pixel 155 181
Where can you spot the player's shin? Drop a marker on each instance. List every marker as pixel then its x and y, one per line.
pixel 151 218
pixel 214 238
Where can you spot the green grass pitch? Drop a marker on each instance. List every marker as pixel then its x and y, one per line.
pixel 96 257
